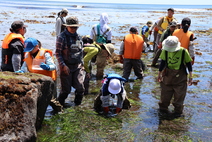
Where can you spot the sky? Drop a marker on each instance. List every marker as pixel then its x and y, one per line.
pixel 180 2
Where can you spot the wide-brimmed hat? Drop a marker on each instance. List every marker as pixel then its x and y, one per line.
pixel 114 86
pixel 110 48
pixel 171 44
pixel 72 22
pixel 29 44
pixel 17 25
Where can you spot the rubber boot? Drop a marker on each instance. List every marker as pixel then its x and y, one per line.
pixel 78 100
pixel 118 110
pixel 106 110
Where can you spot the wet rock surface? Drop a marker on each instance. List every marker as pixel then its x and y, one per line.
pixel 23 102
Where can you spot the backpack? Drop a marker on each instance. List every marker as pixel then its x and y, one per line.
pixel 100 38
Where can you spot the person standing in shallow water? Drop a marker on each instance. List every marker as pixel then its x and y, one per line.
pixel 13 47
pixel 102 29
pixel 69 54
pixel 59 27
pixel 130 51
pixel 186 37
pixel 172 75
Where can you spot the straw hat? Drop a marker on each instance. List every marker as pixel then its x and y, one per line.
pixel 110 48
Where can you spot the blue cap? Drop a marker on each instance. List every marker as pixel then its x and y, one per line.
pixel 29 44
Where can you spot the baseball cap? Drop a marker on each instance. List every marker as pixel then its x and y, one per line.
pixel 171 9
pixel 114 86
pixel 29 44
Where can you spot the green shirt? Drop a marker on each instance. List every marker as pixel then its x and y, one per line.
pixel 174 58
pixel 90 51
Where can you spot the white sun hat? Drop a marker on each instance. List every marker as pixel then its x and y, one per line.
pixel 114 86
pixel 171 44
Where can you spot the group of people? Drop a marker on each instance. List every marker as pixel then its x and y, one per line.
pixel 75 55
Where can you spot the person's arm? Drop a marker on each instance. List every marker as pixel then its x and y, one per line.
pixel 17 53
pixel 50 62
pixel 93 33
pixel 121 51
pixel 159 25
pixel 91 52
pixel 161 67
pixel 191 51
pixel 58 26
pixel 58 52
pixel 59 48
pixel 109 36
pixel 151 28
pixel 16 61
pixel 24 67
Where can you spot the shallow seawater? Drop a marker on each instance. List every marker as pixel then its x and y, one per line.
pixel 146 124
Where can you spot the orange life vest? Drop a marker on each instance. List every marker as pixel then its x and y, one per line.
pixel 7 51
pixel 8 38
pixel 40 55
pixel 133 46
pixel 184 38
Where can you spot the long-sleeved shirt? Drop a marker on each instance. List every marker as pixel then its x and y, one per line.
pixel 107 35
pixel 90 51
pixel 48 60
pixel 60 21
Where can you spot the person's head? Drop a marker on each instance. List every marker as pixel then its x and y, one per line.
pixel 18 27
pixel 133 30
pixel 114 86
pixel 186 22
pixel 171 44
pixel 31 45
pixel 72 24
pixel 110 48
pixel 87 40
pixel 149 23
pixel 170 12
pixel 103 19
pixel 173 26
pixel 63 12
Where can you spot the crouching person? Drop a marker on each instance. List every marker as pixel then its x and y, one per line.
pixel 39 60
pixel 112 85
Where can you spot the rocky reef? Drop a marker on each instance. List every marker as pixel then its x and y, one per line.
pixel 23 102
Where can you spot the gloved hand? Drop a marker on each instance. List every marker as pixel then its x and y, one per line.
pixel 44 66
pixel 19 71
